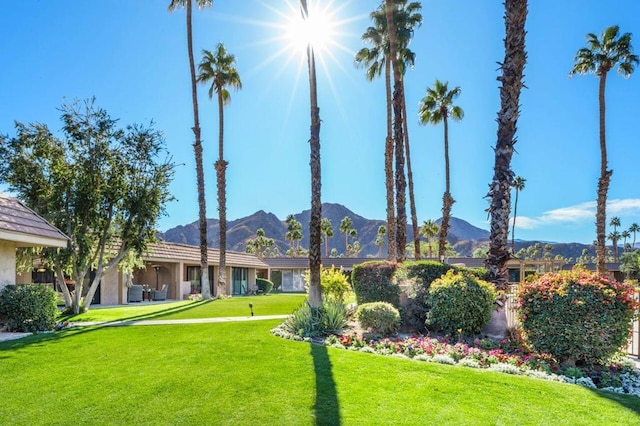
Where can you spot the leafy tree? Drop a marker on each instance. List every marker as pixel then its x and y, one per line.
pixel 315 252
pixel 219 70
pixel 382 231
pixel 481 252
pixel 500 187
pixel 104 186
pixel 261 245
pixel 436 108
pixel 429 229
pixel 197 146
pixel 334 252
pixel 518 185
pixel 630 264
pixel 327 230
pixel 599 57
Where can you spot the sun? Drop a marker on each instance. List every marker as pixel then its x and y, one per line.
pixel 318 30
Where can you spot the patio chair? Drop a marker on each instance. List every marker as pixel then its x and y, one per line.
pixel 160 294
pixel 134 293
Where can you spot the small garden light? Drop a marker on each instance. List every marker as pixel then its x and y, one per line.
pixel 251 308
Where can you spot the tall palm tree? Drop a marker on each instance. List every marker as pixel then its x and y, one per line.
pixel 429 229
pixel 197 146
pixel 219 69
pixel 346 226
pixel 500 187
pixel 327 230
pixel 599 57
pixel 398 136
pixel 518 185
pixel 435 108
pixel 614 237
pixel 315 237
pixel 625 235
pixel 634 228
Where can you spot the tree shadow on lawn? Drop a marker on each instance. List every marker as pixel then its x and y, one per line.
pixel 629 402
pixel 327 406
pixel 150 315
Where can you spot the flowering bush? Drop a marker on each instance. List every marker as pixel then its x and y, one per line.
pixel 577 316
pixel 459 303
pixel 379 317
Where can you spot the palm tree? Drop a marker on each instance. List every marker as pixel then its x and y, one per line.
pixel 500 187
pixel 625 234
pixel 315 235
pixel 219 69
pixel 346 226
pixel 599 57
pixel 614 237
pixel 435 108
pixel 518 185
pixel 197 146
pixel 429 229
pixel 615 222
pixel 382 231
pixel 634 228
pixel 327 230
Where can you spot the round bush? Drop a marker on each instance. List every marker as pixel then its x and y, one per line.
pixel 576 316
pixel 28 308
pixel 263 285
pixel 460 303
pixel 379 317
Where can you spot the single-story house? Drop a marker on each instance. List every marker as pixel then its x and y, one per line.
pixel 22 227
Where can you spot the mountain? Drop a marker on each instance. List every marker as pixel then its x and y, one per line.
pixel 463 236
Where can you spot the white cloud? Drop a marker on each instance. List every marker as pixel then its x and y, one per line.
pixel 579 213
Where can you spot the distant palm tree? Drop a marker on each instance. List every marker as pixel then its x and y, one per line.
pixel 435 108
pixel 614 237
pixel 599 57
pixel 197 146
pixel 518 185
pixel 327 230
pixel 429 229
pixel 499 194
pixel 634 228
pixel 382 231
pixel 315 233
pixel 346 226
pixel 625 235
pixel 219 69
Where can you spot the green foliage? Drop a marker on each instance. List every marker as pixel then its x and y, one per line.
pixel 415 278
pixel 577 316
pixel 263 285
pixel 372 282
pixel 28 308
pixel 460 303
pixel 334 283
pixel 307 321
pixel 379 317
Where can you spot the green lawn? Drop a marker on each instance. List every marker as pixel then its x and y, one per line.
pixel 276 304
pixel 238 373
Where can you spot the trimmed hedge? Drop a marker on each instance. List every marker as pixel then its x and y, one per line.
pixel 373 282
pixel 263 285
pixel 577 316
pixel 28 307
pixel 460 303
pixel 379 317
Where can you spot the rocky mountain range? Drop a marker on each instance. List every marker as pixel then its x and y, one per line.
pixel 463 236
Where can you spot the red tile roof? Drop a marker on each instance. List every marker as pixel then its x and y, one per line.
pixel 17 218
pixel 182 252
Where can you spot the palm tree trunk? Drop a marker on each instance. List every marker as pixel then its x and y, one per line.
pixel 513 225
pixel 412 200
pixel 603 183
pixel 388 170
pixel 221 176
pixel 447 199
pixel 315 253
pixel 500 187
pixel 398 138
pixel 197 148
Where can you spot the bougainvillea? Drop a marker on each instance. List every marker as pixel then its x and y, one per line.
pixel 577 316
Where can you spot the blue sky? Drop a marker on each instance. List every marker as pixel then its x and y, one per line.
pixel 131 55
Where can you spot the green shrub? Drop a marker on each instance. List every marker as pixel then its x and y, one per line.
pixel 577 316
pixel 28 308
pixel 311 322
pixel 415 278
pixel 372 282
pixel 333 282
pixel 459 303
pixel 379 317
pixel 263 285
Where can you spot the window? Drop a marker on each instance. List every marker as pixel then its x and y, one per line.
pixel 193 275
pixel 240 280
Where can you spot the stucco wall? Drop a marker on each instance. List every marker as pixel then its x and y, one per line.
pixel 7 263
pixel 109 286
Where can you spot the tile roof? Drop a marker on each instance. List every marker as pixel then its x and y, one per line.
pixel 183 252
pixel 347 263
pixel 23 225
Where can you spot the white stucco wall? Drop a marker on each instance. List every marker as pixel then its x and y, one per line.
pixel 7 263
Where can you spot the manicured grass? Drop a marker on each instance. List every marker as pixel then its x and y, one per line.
pixel 237 374
pixel 277 304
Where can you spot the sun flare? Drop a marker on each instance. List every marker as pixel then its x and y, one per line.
pixel 318 30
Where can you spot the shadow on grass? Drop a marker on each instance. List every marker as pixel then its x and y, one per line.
pixel 327 406
pixel 629 402
pixel 150 315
